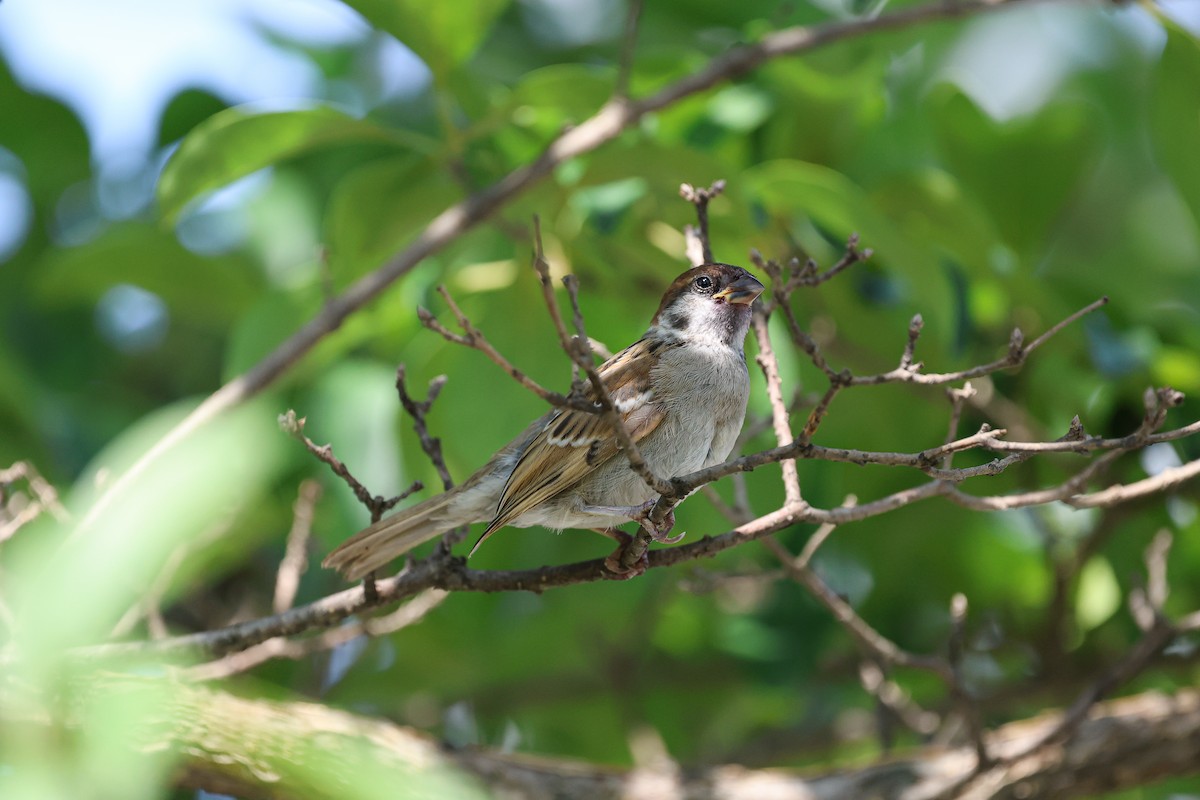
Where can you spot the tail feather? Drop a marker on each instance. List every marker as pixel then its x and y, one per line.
pixel 375 546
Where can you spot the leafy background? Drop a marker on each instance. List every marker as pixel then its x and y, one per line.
pixel 1006 171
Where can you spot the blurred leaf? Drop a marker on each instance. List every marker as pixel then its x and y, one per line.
pixel 932 208
pixel 191 488
pixel 1098 596
pixel 236 142
pixel 1177 367
pixel 205 289
pixel 267 323
pixel 185 111
pixel 849 99
pixel 375 210
pixel 1023 171
pixel 548 98
pixel 1175 114
pixel 50 140
pixel 741 108
pixel 444 35
pixel 801 192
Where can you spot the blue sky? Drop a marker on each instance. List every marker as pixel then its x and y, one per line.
pixel 117 63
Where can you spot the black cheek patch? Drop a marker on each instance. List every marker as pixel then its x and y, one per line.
pixel 678 320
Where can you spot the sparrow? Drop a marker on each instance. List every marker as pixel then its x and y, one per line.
pixel 681 391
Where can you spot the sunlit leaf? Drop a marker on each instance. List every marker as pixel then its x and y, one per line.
pixel 376 209
pixel 1099 594
pixel 236 142
pixel 443 34
pixel 1023 171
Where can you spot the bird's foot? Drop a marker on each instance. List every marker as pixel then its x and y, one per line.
pixel 658 531
pixel 616 561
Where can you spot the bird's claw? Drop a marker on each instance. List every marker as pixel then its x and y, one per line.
pixel 658 531
pixel 615 564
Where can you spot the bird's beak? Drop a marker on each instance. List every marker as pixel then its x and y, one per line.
pixel 743 291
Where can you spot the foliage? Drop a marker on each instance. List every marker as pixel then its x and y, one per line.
pixel 979 222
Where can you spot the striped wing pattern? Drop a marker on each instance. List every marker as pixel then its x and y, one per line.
pixel 574 443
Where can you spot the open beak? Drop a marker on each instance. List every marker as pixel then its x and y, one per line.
pixel 743 291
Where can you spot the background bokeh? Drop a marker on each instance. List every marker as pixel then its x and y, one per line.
pixel 1006 170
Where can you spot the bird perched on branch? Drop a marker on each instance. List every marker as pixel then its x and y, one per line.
pixel 681 392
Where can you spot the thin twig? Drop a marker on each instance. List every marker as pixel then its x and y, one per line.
pixel 699 244
pixel 295 555
pixel 581 352
pixel 968 709
pixel 957 398
pixel 43 496
pixel 779 413
pixel 417 411
pixel 1018 353
pixel 430 445
pixel 872 642
pixel 241 661
pixel 474 338
pixel 377 505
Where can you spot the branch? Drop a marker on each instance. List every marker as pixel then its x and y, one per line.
pixel 43 498
pixel 376 504
pixel 1124 744
pixel 699 245
pixel 1018 353
pixel 295 557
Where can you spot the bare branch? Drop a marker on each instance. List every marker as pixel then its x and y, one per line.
pixel 43 498
pixel 779 413
pixel 699 245
pixel 376 504
pixel 1017 354
pixel 1164 481
pixel 967 708
pixel 869 639
pixel 295 556
pixel 807 274
pixel 241 661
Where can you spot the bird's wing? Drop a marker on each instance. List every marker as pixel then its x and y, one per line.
pixel 574 443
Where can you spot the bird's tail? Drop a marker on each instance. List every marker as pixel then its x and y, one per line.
pixel 375 546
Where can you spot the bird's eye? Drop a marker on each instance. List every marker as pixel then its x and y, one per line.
pixel 703 283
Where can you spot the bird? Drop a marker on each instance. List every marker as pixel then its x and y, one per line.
pixel 681 391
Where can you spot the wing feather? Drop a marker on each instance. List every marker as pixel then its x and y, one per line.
pixel 573 444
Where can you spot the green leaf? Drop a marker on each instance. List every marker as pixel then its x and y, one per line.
pixel 377 208
pixel 203 289
pixel 235 143
pixel 444 35
pixel 196 485
pixel 837 204
pixel 1023 171
pixel 1175 115
pixel 1099 594
pixel 46 136
pixel 263 326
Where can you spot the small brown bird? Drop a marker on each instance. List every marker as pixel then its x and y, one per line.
pixel 681 391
